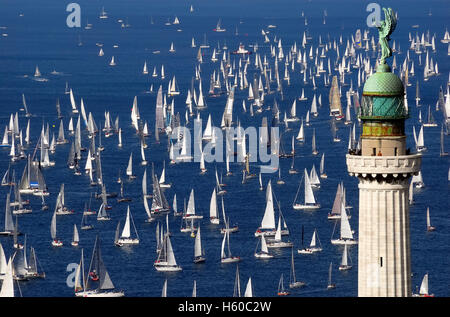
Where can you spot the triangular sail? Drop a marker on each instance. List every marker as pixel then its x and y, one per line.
pixel 309 195
pixel 346 231
pixel 268 221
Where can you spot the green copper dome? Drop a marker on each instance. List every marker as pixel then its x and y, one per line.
pixel 383 96
pixel 383 83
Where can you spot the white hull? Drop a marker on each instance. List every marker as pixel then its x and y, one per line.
pixel 95 293
pixel 57 243
pixel 230 230
pixel 309 250
pixel 263 255
pixel 305 207
pixel 123 241
pixel 192 217
pixel 21 211
pixel 214 221
pixel 344 267
pixel 280 244
pixel 296 284
pixel 166 268
pixel 343 242
pixel 271 233
pixel 230 260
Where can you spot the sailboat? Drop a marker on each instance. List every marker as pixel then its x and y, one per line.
pixel 281 290
pixel 309 201
pixel 226 221
pixel 60 208
pixel 277 242
pixel 424 291
pixel 84 224
pixel 330 284
pixel 313 143
pixel 159 201
pixel 249 288
pixel 7 289
pixel 264 252
pixel 72 102
pixel 293 113
pixel 129 170
pixel 267 227
pixel 199 254
pixel 125 237
pixel 322 167
pixel 172 49
pixel 336 210
pixel 102 214
pixel 31 265
pixel 429 226
pixel 97 275
pixel 224 257
pixel 190 212
pixel 293 283
pixel 75 237
pixel 103 14
pixel 213 210
pixel 112 62
pixel 346 234
pixel 145 69
pixel 430 119
pixel 442 151
pixel 55 242
pixel 218 27
pixel 420 144
pixel 314 246
pixel 344 263
pixel 301 133
pixel 166 261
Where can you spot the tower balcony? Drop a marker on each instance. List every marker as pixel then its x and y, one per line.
pixel 402 165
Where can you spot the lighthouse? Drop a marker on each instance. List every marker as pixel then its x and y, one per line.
pixel 383 166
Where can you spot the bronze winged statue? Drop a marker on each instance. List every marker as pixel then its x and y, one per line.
pixel 385 30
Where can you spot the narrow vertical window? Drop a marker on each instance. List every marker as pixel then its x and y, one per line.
pixel 381 261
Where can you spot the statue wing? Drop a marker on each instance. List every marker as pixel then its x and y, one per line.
pixel 390 22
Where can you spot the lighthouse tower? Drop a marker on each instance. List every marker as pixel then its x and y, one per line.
pixel 383 166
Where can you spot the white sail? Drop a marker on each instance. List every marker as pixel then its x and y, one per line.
pixel 213 213
pixel 170 255
pixel 130 165
pixel 3 263
pixel 53 226
pixel 424 286
pixel 268 221
pixel 126 228
pixel 346 231
pixel 76 237
pixel 344 261
pixel 72 102
pixel 198 244
pixel 309 195
pixel 7 289
pixel 191 204
pixel 249 289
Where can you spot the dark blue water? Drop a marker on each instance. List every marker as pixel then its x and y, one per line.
pixel 41 37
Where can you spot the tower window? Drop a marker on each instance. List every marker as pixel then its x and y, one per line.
pixel 381 261
pixel 374 152
pixel 395 151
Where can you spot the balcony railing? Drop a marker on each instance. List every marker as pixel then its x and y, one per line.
pixel 403 164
